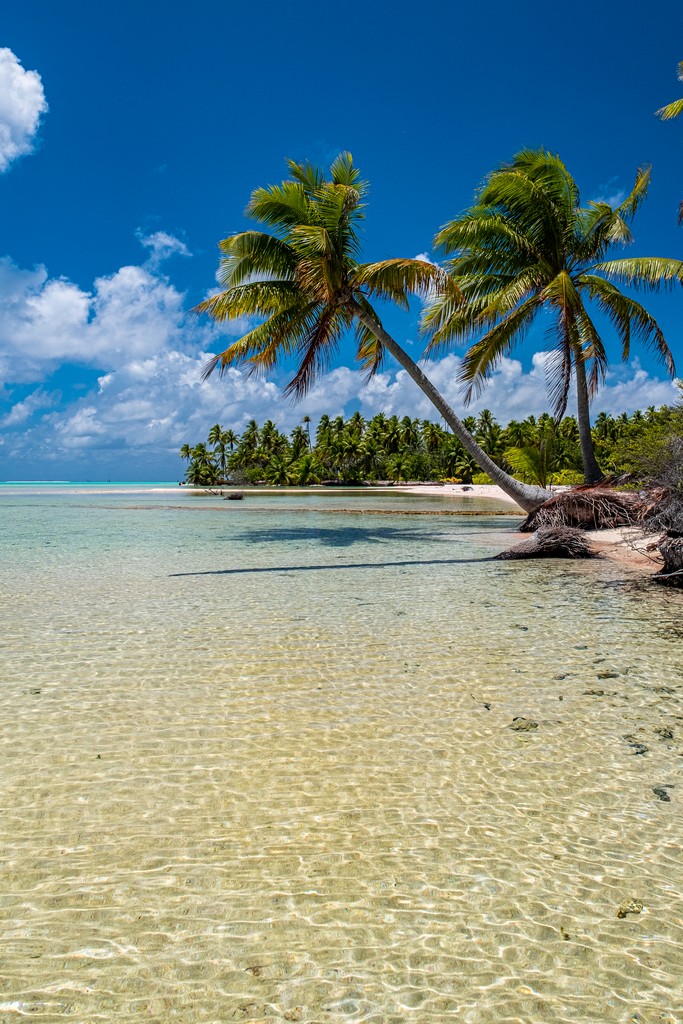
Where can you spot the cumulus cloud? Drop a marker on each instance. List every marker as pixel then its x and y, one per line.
pixel 22 102
pixel 45 321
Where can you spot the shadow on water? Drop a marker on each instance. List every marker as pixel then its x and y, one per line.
pixel 334 566
pixel 332 538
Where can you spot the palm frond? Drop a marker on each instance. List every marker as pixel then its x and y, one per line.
pixel 343 172
pixel 262 346
pixel 307 174
pixel 631 320
pixel 396 279
pixel 637 195
pixel 643 271
pixel 317 348
pixel 281 206
pixel 671 110
pixel 561 293
pixel 256 298
pixel 591 350
pixel 251 253
pixel 599 227
pixel 370 351
pixel 483 228
pixel 311 240
pixel 484 356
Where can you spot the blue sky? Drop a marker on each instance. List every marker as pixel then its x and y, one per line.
pixel 131 137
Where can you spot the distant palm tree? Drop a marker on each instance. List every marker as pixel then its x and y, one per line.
pixel 528 245
pixel 306 420
pixel 306 282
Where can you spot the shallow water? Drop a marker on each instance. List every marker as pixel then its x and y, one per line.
pixel 257 764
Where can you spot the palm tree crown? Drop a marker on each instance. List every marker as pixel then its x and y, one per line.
pixel 674 109
pixel 526 245
pixel 305 280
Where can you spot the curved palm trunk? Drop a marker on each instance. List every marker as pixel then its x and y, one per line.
pixel 525 495
pixel 591 469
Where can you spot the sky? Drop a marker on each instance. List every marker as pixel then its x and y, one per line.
pixel 131 137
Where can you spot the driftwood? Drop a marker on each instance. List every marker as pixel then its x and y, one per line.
pixel 670 547
pixel 585 508
pixel 552 542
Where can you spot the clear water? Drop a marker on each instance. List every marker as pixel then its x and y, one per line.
pixel 257 765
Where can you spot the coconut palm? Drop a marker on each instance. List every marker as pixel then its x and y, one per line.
pixel 306 420
pixel 527 245
pixel 667 113
pixel 306 281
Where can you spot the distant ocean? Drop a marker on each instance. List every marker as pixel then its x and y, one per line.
pixel 299 758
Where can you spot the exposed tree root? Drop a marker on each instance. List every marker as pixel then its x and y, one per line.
pixel 585 508
pixel 552 542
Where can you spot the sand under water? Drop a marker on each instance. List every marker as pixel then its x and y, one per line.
pixel 271 761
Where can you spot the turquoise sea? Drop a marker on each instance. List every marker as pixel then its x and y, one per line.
pixel 316 757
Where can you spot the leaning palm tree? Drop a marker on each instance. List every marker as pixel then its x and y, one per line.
pixel 668 113
pixel 306 282
pixel 528 245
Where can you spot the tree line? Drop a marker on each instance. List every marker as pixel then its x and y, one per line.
pixel 538 450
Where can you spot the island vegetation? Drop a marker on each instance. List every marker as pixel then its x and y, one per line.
pixel 636 448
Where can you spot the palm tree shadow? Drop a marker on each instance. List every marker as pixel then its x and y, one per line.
pixel 334 566
pixel 345 537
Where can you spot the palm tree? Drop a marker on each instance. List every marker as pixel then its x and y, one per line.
pixel 202 468
pixel 528 245
pixel 231 438
pixel 668 113
pixel 306 420
pixel 306 282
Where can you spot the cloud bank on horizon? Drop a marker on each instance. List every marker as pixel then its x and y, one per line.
pixel 136 356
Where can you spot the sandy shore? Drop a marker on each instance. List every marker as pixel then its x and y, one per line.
pixel 460 491
pixel 627 545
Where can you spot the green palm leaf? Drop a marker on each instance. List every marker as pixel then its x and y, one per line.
pixel 644 271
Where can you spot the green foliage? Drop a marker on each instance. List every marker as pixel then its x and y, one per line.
pixel 388 448
pixel 566 478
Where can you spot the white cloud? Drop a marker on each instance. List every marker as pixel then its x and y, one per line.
pixel 22 101
pixel 161 246
pixel 44 322
pixel 22 411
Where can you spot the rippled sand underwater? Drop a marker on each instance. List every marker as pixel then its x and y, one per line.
pixel 258 765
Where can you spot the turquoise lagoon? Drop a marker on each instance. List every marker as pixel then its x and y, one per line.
pixel 258 765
